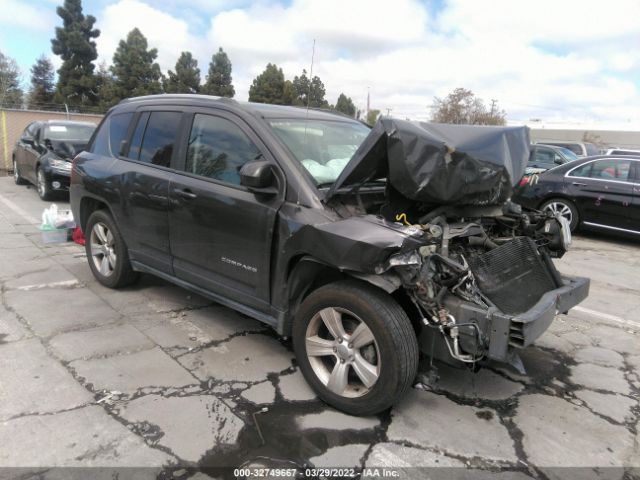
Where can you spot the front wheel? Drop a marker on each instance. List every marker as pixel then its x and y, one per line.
pixel 355 346
pixel 565 208
pixel 106 251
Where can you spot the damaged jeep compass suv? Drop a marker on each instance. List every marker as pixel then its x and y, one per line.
pixel 365 246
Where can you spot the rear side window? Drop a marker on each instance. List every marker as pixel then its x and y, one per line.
pixel 158 138
pixel 218 149
pixel 605 170
pixel 113 131
pixel 611 170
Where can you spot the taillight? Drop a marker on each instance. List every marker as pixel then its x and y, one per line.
pixel 524 181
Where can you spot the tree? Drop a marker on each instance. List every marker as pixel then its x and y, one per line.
pixel 288 93
pixel 186 78
pixel 42 86
pixel 372 116
pixel 462 107
pixel 345 105
pixel 268 87
pixel 10 91
pixel 74 43
pixel 219 77
pixel 105 87
pixel 309 92
pixel 134 68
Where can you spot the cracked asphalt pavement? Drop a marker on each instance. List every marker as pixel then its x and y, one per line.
pixel 155 376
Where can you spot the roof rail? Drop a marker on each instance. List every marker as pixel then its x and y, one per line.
pixel 176 96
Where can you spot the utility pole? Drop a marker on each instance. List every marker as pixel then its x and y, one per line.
pixel 368 101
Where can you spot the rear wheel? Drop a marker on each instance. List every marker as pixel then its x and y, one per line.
pixel 43 185
pixel 355 346
pixel 565 208
pixel 106 252
pixel 16 174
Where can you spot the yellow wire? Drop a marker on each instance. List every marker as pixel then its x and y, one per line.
pixel 402 217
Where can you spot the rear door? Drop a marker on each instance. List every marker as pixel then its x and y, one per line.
pixel 221 233
pixel 603 192
pixel 143 174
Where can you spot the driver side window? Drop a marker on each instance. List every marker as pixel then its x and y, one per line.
pixel 218 149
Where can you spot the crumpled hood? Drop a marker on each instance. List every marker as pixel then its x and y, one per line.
pixel 438 163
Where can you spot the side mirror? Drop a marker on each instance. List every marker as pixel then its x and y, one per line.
pixel 258 177
pixel 558 161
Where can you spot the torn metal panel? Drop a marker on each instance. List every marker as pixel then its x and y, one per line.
pixel 359 243
pixel 440 164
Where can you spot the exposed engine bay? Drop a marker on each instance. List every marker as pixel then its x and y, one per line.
pixel 500 261
pixel 495 258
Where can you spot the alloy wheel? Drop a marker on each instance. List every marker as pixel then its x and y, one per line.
pixel 101 244
pixel 42 183
pixel 560 208
pixel 16 175
pixel 343 352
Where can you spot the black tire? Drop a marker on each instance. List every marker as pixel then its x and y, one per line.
pixel 563 202
pixel 16 174
pixel 395 344
pixel 43 186
pixel 120 273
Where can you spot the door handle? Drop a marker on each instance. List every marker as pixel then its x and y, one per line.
pixel 578 184
pixel 186 194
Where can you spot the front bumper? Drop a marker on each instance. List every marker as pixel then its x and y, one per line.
pixel 500 333
pixel 59 179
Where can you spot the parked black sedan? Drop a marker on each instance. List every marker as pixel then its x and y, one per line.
pixel 601 192
pixel 42 156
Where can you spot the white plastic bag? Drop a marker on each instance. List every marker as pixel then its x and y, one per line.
pixel 53 219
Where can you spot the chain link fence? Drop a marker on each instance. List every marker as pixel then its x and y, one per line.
pixel 14 120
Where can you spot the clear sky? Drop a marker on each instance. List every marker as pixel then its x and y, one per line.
pixel 556 60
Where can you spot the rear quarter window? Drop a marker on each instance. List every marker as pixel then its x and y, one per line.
pixel 111 134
